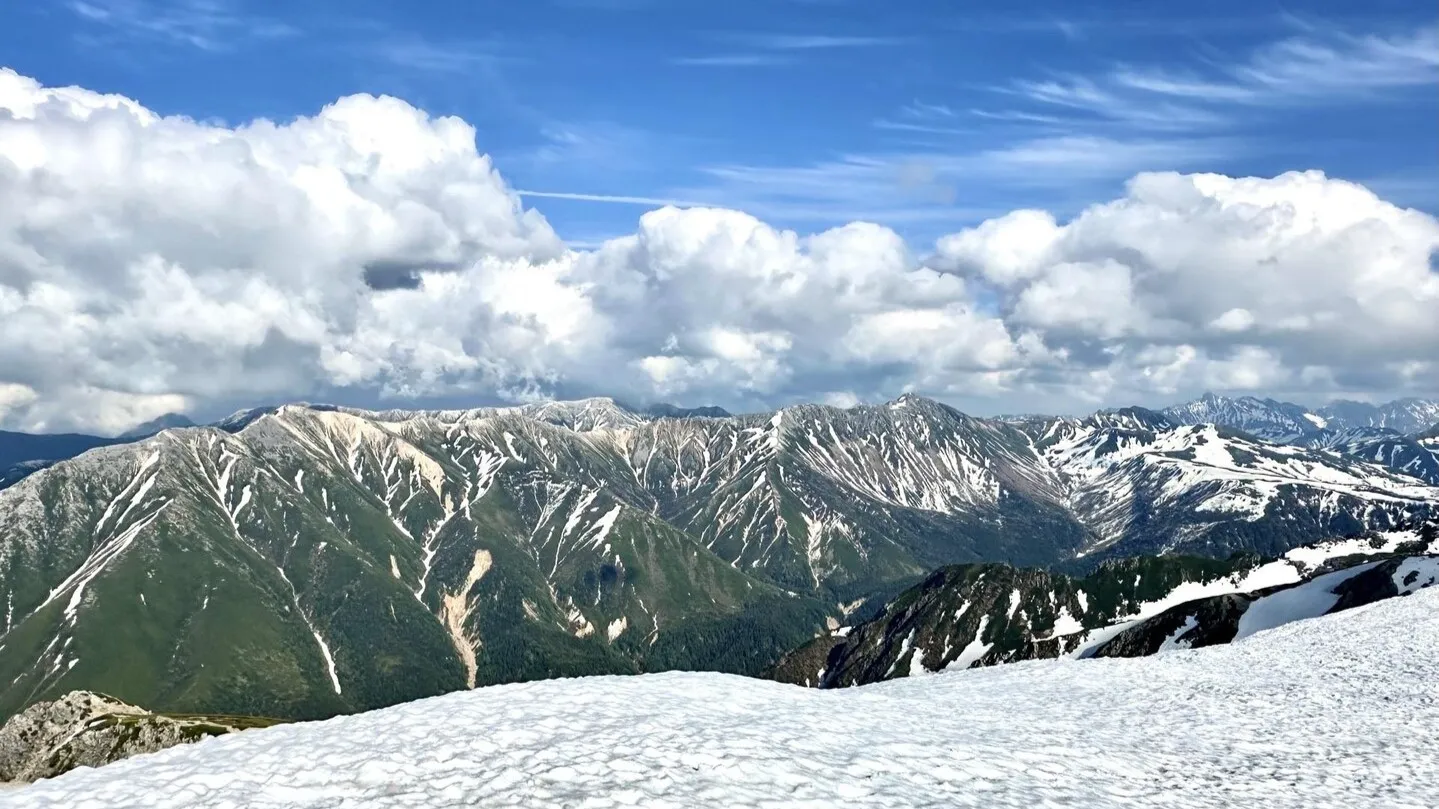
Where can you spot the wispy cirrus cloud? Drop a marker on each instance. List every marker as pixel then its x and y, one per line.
pixel 771 49
pixel 209 25
pixel 589 143
pixel 599 151
pixel 417 53
pixel 809 42
pixel 1080 27
pixel 919 186
pixel 919 109
pixel 922 128
pixel 1317 66
pixel 916 186
pixel 1088 101
pixel 922 118
pixel 733 60
pixel 618 199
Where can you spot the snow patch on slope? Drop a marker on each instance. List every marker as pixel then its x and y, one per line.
pixel 972 651
pixel 1308 600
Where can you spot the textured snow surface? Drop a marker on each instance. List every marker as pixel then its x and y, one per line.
pixel 1312 598
pixel 1338 711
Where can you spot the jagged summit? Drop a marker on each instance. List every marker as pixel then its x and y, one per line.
pixel 1131 418
pixel 594 413
pixel 921 403
pixel 1265 418
pixel 1286 422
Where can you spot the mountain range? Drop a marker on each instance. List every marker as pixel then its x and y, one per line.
pixel 1285 422
pixel 1341 425
pixel 307 560
pixel 1402 435
pixel 969 616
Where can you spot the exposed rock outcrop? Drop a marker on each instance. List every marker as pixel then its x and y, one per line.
pixel 85 729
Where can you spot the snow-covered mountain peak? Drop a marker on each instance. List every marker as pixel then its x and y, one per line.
pixel 1265 418
pixel 906 400
pixel 599 413
pixel 1407 416
pixel 1286 422
pixel 1130 418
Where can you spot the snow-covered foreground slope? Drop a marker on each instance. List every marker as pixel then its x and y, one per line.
pixel 1336 711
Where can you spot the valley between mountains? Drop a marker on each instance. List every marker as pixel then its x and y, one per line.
pixel 305 561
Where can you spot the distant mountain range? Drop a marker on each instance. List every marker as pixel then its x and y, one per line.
pixel 24 453
pixel 307 560
pixel 166 422
pixel 1288 423
pixel 41 450
pixel 1390 433
pixel 1398 434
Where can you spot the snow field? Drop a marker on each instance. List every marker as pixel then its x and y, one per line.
pixel 1338 711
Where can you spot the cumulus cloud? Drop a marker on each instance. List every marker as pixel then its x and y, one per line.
pixel 152 263
pixel 1253 283
pixel 158 256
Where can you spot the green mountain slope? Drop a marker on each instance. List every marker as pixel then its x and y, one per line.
pixel 319 562
pixel 304 560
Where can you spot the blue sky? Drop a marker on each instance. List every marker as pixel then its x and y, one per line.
pixel 180 272
pixel 919 114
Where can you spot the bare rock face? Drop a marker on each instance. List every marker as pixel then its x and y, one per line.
pixel 85 729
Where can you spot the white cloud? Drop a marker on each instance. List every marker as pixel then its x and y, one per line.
pixel 152 263
pixel 923 186
pixel 1315 67
pixel 1089 298
pixel 715 302
pixel 209 25
pixel 1234 320
pixel 1084 95
pixel 1004 250
pixel 15 396
pixel 1248 283
pixel 148 255
pixel 108 411
pixel 805 42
